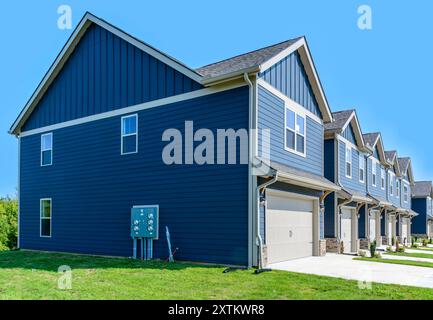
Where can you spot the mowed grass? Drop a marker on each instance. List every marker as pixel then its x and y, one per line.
pixel 34 275
pixel 423 248
pixel 403 262
pixel 411 254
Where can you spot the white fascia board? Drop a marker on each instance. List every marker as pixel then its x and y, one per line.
pixel 70 45
pixel 353 119
pixel 302 47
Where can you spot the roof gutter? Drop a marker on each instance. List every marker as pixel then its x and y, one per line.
pixel 229 76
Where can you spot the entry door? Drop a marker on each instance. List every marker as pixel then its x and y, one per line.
pixel 289 227
pixel 346 229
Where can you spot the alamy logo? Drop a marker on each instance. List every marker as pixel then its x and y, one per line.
pixel 365 20
pixel 64 22
pixel 206 146
pixel 65 279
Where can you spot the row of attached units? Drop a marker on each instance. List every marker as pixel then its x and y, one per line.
pixel 375 200
pixel 94 135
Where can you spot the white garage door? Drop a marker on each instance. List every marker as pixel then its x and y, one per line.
pixel 372 230
pixel 404 233
pixel 346 229
pixel 289 227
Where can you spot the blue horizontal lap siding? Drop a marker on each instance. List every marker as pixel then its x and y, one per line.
pixel 406 205
pixel 290 78
pixel 93 187
pixel 376 191
pixel 271 116
pixel 352 183
pixel 105 73
pixel 393 198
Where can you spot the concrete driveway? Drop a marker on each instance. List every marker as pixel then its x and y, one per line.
pixel 343 266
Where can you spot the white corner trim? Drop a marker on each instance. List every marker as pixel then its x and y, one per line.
pixel 75 39
pixel 293 104
pixel 132 109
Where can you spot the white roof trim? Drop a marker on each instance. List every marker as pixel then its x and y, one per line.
pixel 74 39
pixel 358 133
pixel 302 47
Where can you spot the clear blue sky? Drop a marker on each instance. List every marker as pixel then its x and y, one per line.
pixel 385 72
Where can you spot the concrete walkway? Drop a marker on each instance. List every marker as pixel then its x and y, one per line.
pixel 343 266
pixel 393 257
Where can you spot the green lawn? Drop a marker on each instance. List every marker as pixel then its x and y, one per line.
pixel 423 248
pixel 396 261
pixel 32 275
pixel 413 255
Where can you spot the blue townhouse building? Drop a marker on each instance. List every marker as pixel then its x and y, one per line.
pixel 422 195
pixel 346 165
pixel 92 135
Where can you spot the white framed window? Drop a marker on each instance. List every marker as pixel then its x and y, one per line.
pixel 397 188
pixel 373 173
pixel 129 134
pixel 348 162
pixel 405 193
pixel 361 168
pixel 382 179
pixel 295 132
pixel 391 183
pixel 47 149
pixel 45 217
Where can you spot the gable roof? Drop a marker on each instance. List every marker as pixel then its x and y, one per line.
pixel 260 60
pixel 68 49
pixel 391 157
pixel 244 61
pixel 341 120
pixel 406 168
pixel 373 140
pixel 422 189
pixel 250 63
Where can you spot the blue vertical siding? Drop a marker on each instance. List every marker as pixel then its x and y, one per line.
pixel 93 187
pixel 419 223
pixel 290 78
pixel 349 134
pixel 105 73
pixel 352 183
pixel 329 218
pixel 362 228
pixel 271 116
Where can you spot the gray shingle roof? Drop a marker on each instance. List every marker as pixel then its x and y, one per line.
pixel 390 155
pixel 244 61
pixel 422 189
pixel 340 118
pixel 404 164
pixel 370 138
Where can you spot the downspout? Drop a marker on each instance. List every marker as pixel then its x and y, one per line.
pixel 259 236
pixel 19 191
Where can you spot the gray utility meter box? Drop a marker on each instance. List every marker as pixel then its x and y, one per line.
pixel 144 222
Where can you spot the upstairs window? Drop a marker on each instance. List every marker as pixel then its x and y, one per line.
pixel 361 168
pixel 373 173
pixel 348 162
pixel 382 179
pixel 391 184
pixel 405 193
pixel 397 188
pixel 129 140
pixel 47 149
pixel 45 218
pixel 295 132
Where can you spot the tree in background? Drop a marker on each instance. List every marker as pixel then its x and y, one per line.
pixel 8 223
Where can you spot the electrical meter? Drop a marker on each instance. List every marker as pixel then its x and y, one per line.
pixel 144 222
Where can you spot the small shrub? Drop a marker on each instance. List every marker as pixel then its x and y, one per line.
pixel 389 248
pixel 430 240
pixel 362 253
pixel 414 245
pixel 341 247
pixel 424 242
pixel 373 248
pixel 393 241
pixel 378 255
pixel 400 249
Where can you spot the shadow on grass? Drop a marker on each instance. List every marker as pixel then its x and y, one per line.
pixel 37 260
